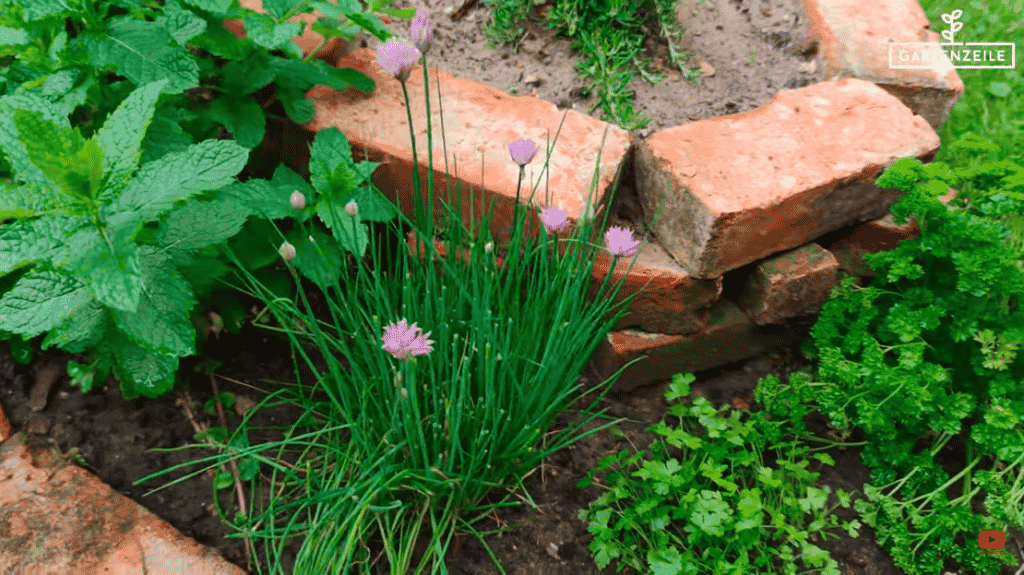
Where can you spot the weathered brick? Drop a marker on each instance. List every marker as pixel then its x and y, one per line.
pixel 789 285
pixel 739 188
pixel 731 336
pixel 480 122
pixel 855 36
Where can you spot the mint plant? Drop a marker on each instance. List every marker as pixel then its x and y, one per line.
pixel 93 271
pixel 85 57
pixel 928 351
pixel 719 506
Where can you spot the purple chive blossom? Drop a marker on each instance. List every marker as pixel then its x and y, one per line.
pixel 421 31
pixel 554 219
pixel 297 200
pixel 522 151
pixel 352 209
pixel 402 340
pixel 397 57
pixel 620 242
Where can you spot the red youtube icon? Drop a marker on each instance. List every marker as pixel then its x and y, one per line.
pixel 991 539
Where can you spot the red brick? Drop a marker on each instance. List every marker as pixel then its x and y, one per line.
pixel 789 285
pixel 61 519
pixel 739 188
pixel 731 336
pixel 480 123
pixel 854 36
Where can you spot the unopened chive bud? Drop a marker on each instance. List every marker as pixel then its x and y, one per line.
pixel 287 252
pixel 298 201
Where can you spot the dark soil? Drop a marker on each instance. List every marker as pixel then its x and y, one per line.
pixel 115 437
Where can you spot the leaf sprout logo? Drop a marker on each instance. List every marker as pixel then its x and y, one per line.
pixel 941 55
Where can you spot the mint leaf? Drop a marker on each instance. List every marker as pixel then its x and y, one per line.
pixel 27 201
pixel 163 137
pixel 109 263
pixel 215 7
pixel 122 134
pixel 260 197
pixel 36 9
pixel 197 225
pixel 278 8
pixel 243 117
pixel 181 24
pixel 11 141
pixel 320 260
pixel 43 239
pixel 140 371
pixel 373 206
pixel 262 29
pixel 207 165
pixel 162 324
pixel 141 52
pixel 79 331
pixel 48 144
pixel 41 299
pixel 330 149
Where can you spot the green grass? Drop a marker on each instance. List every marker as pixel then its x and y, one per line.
pixel 991 105
pixel 609 35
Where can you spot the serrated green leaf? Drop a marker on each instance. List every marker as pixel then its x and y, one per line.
pixel 122 134
pixel 299 108
pixel 216 7
pixel 244 118
pixel 140 371
pixel 256 245
pixel 344 180
pixel 27 201
pixel 243 77
pixel 337 10
pixel 109 263
pixel 41 299
pixel 48 143
pixel 141 52
pixel 82 172
pixel 163 137
pixel 278 8
pixel 181 24
pixel 37 9
pixel 665 561
pixel 208 165
pixel 64 90
pixel 330 149
pixel 271 35
pixel 260 197
pixel 304 74
pixel 319 261
pixel 162 325
pixel 42 239
pixel 80 331
pixel 199 224
pixel 370 23
pixel 373 206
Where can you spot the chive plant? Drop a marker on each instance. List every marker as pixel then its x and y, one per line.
pixel 452 382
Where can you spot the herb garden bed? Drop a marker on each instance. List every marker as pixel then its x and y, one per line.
pixel 760 465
